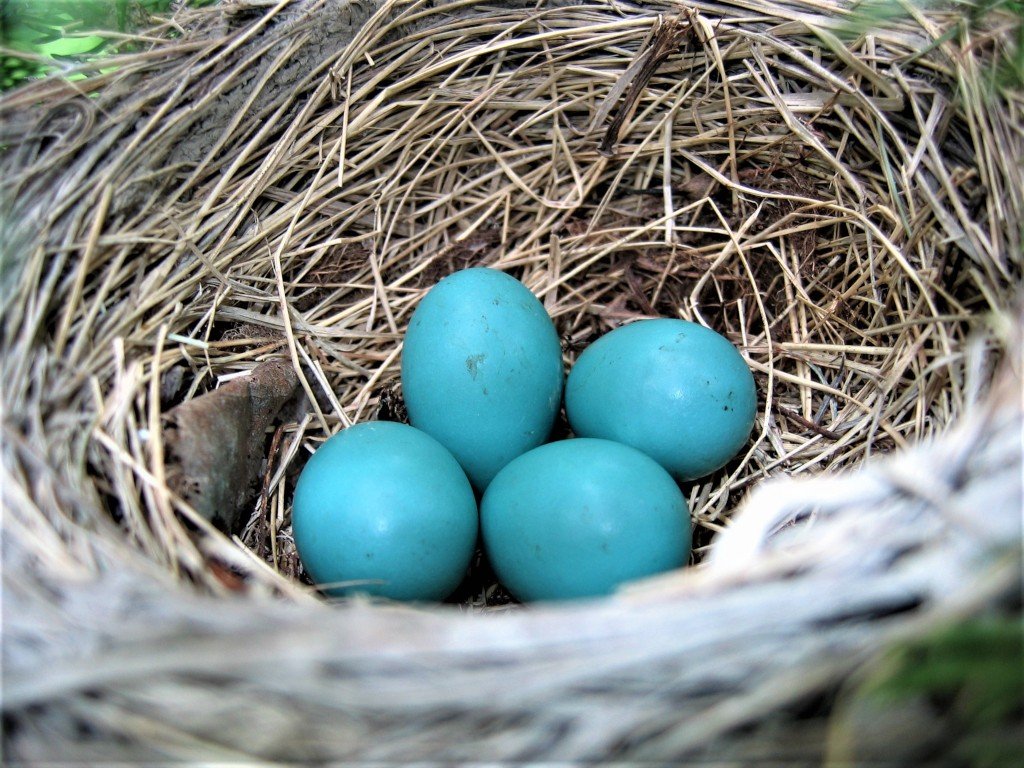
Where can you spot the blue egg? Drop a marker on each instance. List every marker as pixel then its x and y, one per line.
pixel 677 391
pixel 482 370
pixel 383 509
pixel 577 518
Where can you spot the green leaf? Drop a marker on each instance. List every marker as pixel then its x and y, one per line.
pixel 60 30
pixel 978 667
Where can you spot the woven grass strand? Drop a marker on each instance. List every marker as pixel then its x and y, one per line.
pixel 285 180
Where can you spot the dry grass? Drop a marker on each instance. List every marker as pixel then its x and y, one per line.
pixel 847 211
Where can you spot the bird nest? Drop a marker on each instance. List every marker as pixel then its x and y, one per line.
pixel 214 241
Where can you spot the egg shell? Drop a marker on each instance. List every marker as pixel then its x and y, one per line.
pixel 675 390
pixel 388 508
pixel 482 369
pixel 577 518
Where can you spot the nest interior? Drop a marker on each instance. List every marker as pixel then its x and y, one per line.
pixel 283 181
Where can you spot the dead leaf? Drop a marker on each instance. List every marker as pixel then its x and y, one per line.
pixel 214 444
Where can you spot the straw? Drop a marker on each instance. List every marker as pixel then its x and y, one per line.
pixel 284 181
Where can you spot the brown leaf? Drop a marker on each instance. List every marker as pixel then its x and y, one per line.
pixel 214 444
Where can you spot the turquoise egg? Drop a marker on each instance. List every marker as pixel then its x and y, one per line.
pixel 382 508
pixel 482 369
pixel 577 518
pixel 677 391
